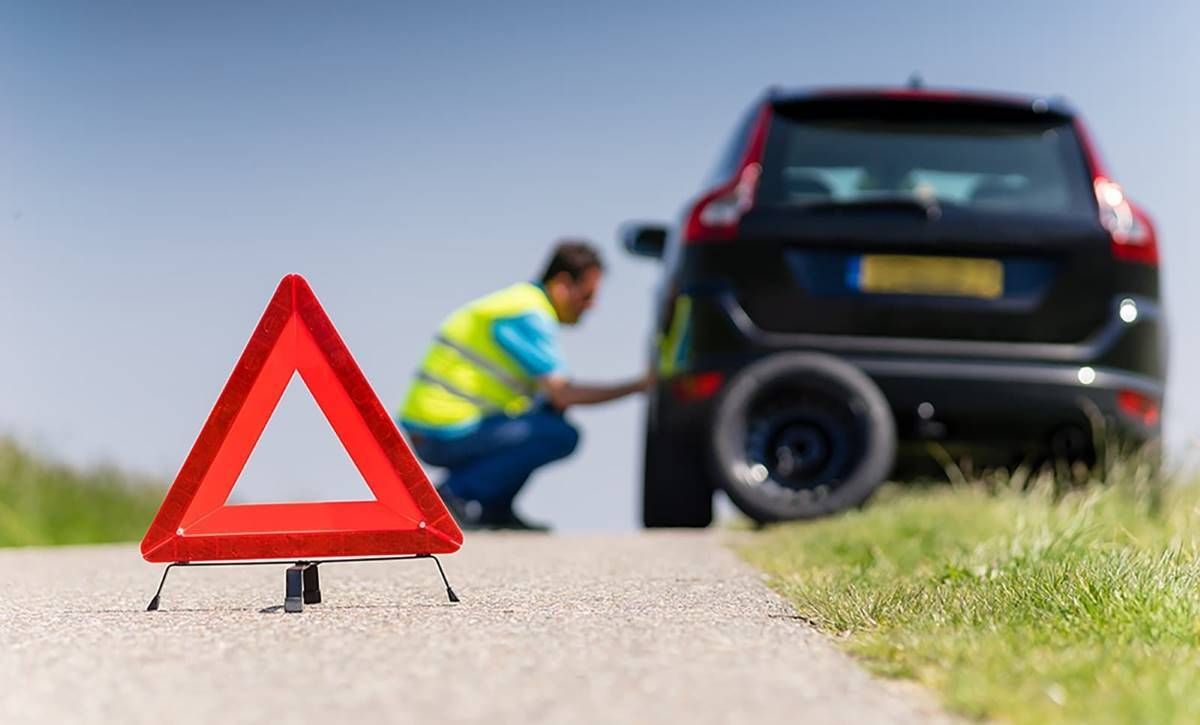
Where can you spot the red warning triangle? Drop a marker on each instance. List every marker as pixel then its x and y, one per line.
pixel 196 524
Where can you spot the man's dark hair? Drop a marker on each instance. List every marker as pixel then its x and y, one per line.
pixel 574 257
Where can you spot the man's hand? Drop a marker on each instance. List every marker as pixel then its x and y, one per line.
pixel 563 393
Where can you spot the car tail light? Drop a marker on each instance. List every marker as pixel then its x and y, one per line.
pixel 697 386
pixel 715 215
pixel 1139 406
pixel 1133 238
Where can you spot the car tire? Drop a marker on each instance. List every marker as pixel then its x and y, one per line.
pixel 676 488
pixel 801 435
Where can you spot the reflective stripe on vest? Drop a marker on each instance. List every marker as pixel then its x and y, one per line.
pixel 454 390
pixel 514 384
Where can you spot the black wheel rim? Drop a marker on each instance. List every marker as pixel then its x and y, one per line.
pixel 801 440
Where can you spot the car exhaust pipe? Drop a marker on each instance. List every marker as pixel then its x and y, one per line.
pixel 1071 443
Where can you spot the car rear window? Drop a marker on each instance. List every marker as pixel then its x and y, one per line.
pixel 995 159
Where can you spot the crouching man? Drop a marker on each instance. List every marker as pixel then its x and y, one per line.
pixel 488 400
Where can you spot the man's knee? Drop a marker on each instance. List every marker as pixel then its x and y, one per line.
pixel 563 440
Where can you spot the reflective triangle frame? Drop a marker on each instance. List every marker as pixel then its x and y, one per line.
pixel 195 522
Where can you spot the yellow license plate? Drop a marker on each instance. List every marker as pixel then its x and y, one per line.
pixel 918 275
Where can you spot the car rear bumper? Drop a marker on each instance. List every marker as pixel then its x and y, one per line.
pixel 1015 404
pixel 1132 339
pixel 1012 406
pixel 1013 395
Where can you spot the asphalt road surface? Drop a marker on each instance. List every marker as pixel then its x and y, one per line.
pixel 653 627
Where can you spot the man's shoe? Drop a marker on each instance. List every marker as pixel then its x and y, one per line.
pixel 507 520
pixel 466 513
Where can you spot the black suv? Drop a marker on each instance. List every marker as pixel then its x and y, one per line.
pixel 969 253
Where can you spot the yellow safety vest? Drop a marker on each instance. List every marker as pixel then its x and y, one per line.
pixel 466 374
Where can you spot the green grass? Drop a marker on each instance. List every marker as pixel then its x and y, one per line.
pixel 44 503
pixel 1012 601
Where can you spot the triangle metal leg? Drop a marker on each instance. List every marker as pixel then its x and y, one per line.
pixel 153 605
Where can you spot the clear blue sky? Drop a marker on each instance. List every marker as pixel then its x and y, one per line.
pixel 162 165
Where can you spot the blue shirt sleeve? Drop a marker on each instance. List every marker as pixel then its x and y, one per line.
pixel 532 340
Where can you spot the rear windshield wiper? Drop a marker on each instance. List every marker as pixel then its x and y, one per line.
pixel 927 205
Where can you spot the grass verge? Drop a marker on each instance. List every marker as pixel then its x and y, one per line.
pixel 1011 601
pixel 44 503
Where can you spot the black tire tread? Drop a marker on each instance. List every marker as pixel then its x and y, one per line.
pixel 676 489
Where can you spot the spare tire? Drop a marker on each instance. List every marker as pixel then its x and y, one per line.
pixel 801 435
